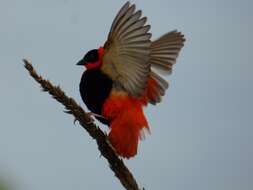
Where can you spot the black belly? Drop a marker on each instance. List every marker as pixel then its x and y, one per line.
pixel 95 87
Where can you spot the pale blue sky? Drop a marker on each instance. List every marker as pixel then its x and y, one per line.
pixel 202 132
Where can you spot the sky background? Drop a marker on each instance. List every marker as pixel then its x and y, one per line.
pixel 202 132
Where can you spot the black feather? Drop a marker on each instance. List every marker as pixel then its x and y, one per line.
pixel 95 87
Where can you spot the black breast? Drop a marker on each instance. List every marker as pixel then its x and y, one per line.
pixel 95 87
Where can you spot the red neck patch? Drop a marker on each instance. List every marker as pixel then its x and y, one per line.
pixel 99 62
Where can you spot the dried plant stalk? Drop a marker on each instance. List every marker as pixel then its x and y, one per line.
pixel 116 164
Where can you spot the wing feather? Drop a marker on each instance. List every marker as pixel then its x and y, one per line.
pixel 124 20
pixel 136 29
pixel 121 12
pixel 129 54
pixel 127 51
pixel 165 50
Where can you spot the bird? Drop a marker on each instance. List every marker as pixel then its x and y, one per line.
pixel 125 75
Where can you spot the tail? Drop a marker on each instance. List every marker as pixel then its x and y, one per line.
pixel 127 123
pixel 164 52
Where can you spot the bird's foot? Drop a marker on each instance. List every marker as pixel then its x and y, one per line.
pixel 75 120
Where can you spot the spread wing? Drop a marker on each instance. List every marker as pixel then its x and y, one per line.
pixel 127 51
pixel 165 50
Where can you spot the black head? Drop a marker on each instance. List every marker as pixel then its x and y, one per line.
pixel 90 57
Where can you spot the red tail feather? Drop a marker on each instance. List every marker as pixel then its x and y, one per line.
pixel 127 121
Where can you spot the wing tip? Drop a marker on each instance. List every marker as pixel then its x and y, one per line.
pixel 127 4
pixel 181 35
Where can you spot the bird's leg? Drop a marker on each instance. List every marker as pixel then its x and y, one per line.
pixel 95 115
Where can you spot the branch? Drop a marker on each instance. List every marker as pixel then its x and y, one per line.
pixel 116 164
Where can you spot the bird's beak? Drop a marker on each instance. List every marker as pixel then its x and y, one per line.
pixel 81 62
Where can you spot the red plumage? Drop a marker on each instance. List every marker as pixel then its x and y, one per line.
pixel 150 92
pixel 127 121
pixel 120 80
